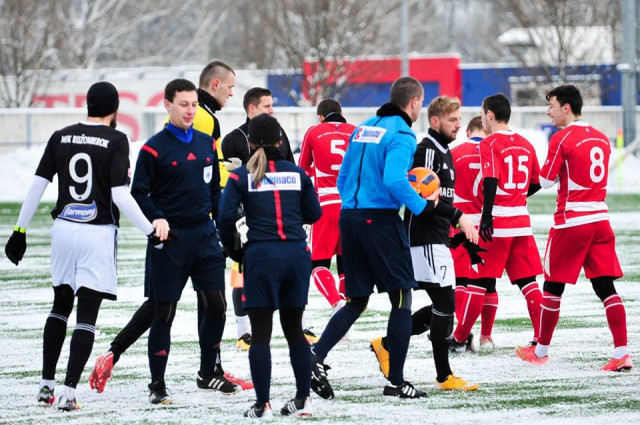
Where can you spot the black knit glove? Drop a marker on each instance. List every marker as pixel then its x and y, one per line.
pixel 16 246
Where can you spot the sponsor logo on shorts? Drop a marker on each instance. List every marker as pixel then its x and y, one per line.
pixel 366 134
pixel 80 213
pixel 277 181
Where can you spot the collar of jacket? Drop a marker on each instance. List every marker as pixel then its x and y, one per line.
pixel 334 117
pixel 389 109
pixel 185 136
pixel 444 141
pixel 208 102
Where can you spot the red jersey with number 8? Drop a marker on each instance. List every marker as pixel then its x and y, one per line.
pixel 578 160
pixel 510 158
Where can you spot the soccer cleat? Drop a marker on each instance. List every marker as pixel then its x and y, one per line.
pixel 46 396
pixel 311 337
pixel 259 412
pixel 486 343
pixel 404 390
pixel 298 407
pixel 319 381
pixel 217 382
pixel 158 393
pixel 242 383
pixel 101 371
pixel 619 365
pixel 461 347
pixel 381 354
pixel 528 354
pixel 68 405
pixel 244 342
pixel 454 382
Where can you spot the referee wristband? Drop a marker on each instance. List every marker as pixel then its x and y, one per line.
pixel 19 229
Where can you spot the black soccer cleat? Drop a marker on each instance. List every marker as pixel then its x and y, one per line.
pixel 297 407
pixel 158 393
pixel 217 382
pixel 319 381
pixel 404 390
pixel 461 347
pixel 256 411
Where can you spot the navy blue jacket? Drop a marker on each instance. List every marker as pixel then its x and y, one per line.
pixel 275 210
pixel 177 180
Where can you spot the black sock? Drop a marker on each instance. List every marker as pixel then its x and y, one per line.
pixel 421 321
pixel 160 339
pixel 140 322
pixel 82 339
pixel 398 334
pixel 55 330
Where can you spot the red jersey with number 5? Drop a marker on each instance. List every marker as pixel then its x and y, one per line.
pixel 578 160
pixel 510 158
pixel 467 190
pixel 323 148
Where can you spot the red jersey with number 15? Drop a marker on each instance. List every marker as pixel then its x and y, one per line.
pixel 323 147
pixel 467 190
pixel 510 158
pixel 578 160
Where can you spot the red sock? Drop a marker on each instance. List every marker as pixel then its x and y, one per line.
pixel 617 319
pixel 549 314
pixel 326 284
pixel 461 292
pixel 341 286
pixel 471 309
pixel 488 315
pixel 533 296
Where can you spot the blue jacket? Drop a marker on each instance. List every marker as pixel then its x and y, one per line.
pixel 275 210
pixel 374 171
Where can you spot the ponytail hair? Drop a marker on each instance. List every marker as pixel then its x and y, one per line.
pixel 257 166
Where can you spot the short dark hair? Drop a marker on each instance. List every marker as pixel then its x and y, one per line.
pixel 174 86
pixel 475 124
pixel 253 95
pixel 567 94
pixel 403 90
pixel 328 106
pixel 499 105
pixel 215 69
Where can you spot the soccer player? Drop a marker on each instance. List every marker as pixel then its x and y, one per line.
pixel 235 149
pixel 323 149
pixel 91 160
pixel 468 199
pixel 510 173
pixel 373 184
pixel 581 236
pixel 429 240
pixel 278 198
pixel 217 80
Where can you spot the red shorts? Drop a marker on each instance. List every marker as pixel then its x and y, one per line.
pixel 518 255
pixel 324 237
pixel 592 246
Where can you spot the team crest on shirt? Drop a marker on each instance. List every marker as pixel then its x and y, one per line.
pixel 80 213
pixel 277 181
pixel 366 134
pixel 207 173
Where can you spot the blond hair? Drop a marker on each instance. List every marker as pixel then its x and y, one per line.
pixel 443 105
pixel 257 166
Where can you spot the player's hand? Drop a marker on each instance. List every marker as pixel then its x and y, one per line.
pixel 468 228
pixel 236 255
pixel 486 228
pixel 162 228
pixel 16 246
pixel 473 250
pixel 232 163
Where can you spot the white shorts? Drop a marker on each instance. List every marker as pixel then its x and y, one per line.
pixel 84 255
pixel 433 264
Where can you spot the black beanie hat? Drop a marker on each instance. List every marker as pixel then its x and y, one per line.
pixel 264 130
pixel 102 99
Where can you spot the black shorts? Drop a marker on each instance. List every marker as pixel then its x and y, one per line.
pixel 375 251
pixel 195 253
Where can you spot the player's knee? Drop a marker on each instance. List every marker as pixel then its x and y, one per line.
pixel 63 299
pixel 357 304
pixel 400 299
pixel 213 303
pixel 441 325
pixel 554 288
pixel 521 283
pixel 164 313
pixel 603 287
pixel 491 286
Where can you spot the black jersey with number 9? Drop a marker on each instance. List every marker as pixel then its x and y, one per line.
pixel 89 160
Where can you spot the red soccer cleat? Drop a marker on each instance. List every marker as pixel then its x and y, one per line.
pixel 244 385
pixel 528 354
pixel 619 365
pixel 101 371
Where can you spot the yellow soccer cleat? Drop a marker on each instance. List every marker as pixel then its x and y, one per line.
pixel 311 337
pixel 381 354
pixel 244 342
pixel 454 382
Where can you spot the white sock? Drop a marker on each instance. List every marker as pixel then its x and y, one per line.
pixel 620 352
pixel 244 325
pixel 541 350
pixel 68 392
pixel 304 314
pixel 51 383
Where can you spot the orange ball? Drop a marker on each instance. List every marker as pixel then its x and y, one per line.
pixel 424 181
